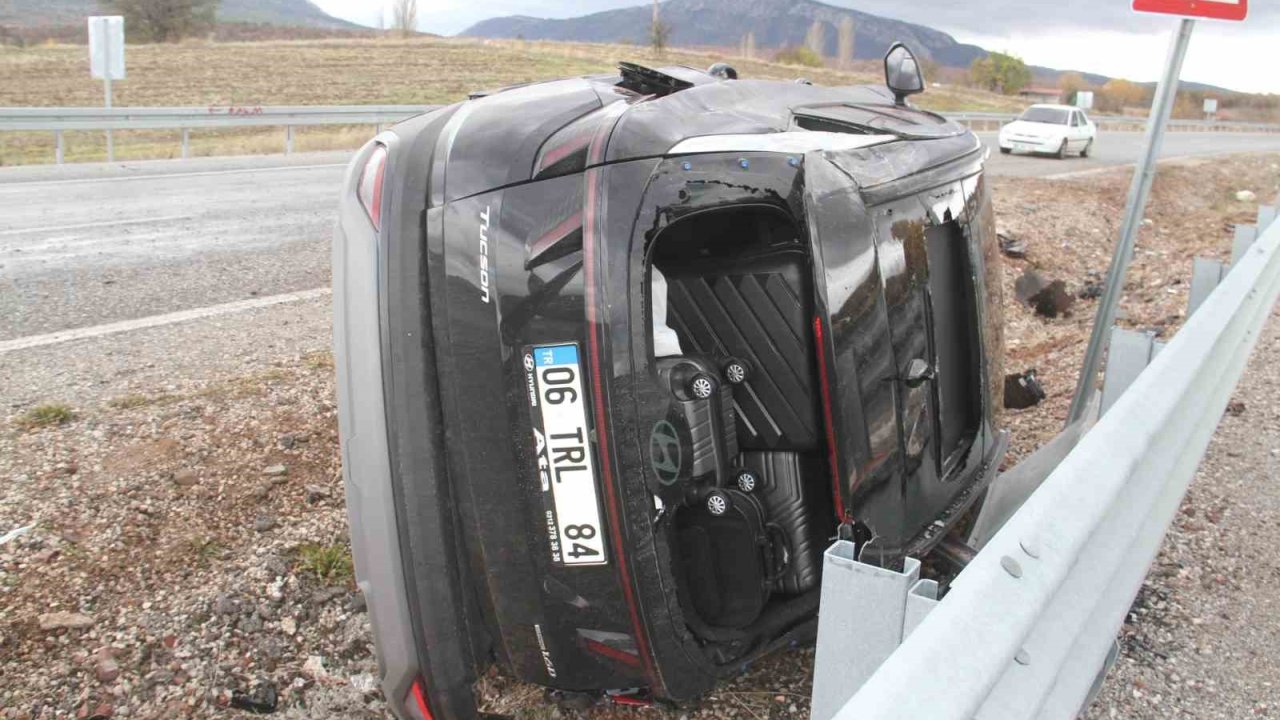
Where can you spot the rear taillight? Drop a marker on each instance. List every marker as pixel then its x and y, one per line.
pixel 416 702
pixel 370 188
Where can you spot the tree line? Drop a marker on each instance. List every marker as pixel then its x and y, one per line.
pixel 158 21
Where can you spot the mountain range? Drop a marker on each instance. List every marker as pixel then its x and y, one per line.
pixel 54 13
pixel 723 23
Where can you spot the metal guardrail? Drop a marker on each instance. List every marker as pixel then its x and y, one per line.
pixel 60 120
pixel 1028 629
pixel 186 119
pixel 993 121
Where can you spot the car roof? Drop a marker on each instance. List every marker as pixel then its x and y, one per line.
pixel 1053 106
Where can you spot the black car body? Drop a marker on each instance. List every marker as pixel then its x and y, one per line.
pixel 545 472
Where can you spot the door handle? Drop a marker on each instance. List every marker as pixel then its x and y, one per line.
pixel 918 373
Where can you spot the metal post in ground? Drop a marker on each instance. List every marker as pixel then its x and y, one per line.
pixel 1139 191
pixel 288 139
pixel 60 152
pixel 106 86
pixel 186 143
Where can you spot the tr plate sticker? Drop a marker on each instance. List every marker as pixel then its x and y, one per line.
pixel 565 459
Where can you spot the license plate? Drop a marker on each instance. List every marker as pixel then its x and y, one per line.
pixel 566 461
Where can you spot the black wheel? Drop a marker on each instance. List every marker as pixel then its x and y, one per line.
pixel 1005 150
pixel 702 386
pixel 1087 149
pixel 735 371
pixel 717 503
pixel 747 481
pixel 1062 150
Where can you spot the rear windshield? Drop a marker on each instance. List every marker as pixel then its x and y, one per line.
pixel 1052 116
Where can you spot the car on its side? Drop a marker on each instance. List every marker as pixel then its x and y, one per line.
pixel 1051 129
pixel 618 356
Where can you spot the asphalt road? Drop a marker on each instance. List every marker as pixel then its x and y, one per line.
pixel 86 245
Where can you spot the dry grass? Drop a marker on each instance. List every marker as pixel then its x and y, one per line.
pixel 320 72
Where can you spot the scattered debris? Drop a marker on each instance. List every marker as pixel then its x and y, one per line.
pixel 1049 298
pixel 1092 288
pixel 15 534
pixel 1022 391
pixel 64 621
pixel 1012 246
pixel 262 701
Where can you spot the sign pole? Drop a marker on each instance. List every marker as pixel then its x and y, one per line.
pixel 106 84
pixel 1139 192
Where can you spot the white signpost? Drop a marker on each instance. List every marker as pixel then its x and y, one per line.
pixel 1140 190
pixel 106 59
pixel 1084 99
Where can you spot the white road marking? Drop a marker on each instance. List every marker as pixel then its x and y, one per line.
pixel 161 176
pixel 93 225
pixel 63 336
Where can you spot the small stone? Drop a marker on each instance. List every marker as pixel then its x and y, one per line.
pixel 275 470
pixel 316 493
pixel 364 683
pixel 288 626
pixel 263 700
pixel 185 478
pixel 226 605
pixel 250 624
pixel 263 523
pixel 107 670
pixel 1246 196
pixel 356 603
pixel 287 441
pixel 64 621
pixel 314 668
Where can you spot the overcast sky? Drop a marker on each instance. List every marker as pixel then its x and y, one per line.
pixel 1102 36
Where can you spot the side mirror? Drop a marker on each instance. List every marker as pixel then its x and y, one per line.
pixel 902 73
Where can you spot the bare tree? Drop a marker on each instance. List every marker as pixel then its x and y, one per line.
pixel 165 20
pixel 816 39
pixel 659 32
pixel 404 17
pixel 848 32
pixel 749 45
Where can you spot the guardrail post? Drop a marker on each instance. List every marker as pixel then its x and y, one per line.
pixel 1206 274
pixel 1130 353
pixel 1244 238
pixel 60 152
pixel 867 611
pixel 1266 216
pixel 288 139
pixel 186 143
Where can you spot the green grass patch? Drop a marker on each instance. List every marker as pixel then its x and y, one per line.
pixel 46 415
pixel 329 563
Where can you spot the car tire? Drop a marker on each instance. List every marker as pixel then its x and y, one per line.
pixel 1087 149
pixel 1062 150
pixel 1005 150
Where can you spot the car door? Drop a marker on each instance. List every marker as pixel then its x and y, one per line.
pixel 928 291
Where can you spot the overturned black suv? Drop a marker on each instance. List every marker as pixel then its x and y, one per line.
pixel 619 356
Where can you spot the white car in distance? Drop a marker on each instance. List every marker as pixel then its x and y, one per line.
pixel 1052 129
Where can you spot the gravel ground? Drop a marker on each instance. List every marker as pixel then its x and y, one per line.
pixel 1202 637
pixel 187 551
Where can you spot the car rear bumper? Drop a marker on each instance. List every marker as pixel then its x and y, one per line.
pixel 415 611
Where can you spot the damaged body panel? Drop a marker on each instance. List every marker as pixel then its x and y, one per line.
pixel 619 356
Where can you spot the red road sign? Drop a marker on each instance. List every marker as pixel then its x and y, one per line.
pixel 1213 9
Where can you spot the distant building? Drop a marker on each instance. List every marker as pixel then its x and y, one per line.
pixel 1040 94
